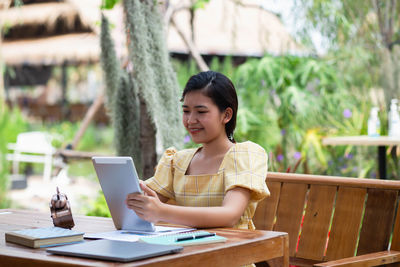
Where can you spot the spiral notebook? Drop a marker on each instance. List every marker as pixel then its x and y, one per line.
pixel 174 239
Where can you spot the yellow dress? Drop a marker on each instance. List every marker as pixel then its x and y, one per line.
pixel 244 165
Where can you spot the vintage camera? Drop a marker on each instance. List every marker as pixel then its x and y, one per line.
pixel 61 211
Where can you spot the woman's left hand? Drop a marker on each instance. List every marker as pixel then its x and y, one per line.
pixel 147 206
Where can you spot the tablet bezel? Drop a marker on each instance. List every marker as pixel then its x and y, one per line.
pixel 118 178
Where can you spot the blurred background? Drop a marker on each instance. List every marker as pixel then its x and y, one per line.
pixel 303 70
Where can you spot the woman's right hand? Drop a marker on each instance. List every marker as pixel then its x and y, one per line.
pixel 147 206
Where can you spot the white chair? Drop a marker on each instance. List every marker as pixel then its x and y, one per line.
pixel 33 147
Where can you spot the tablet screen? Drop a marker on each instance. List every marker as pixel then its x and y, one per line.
pixel 118 178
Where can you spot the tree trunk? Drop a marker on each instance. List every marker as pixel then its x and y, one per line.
pixel 147 141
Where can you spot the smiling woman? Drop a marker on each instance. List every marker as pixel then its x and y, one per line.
pixel 203 120
pixel 217 184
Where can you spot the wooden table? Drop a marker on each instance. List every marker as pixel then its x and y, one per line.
pixel 243 246
pixel 363 140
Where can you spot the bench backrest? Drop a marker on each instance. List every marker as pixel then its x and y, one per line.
pixel 329 218
pixel 34 142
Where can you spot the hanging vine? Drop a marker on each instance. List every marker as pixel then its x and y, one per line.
pixel 109 63
pixel 153 73
pixel 126 120
pixel 144 103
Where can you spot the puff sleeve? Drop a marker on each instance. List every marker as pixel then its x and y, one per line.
pixel 162 181
pixel 246 167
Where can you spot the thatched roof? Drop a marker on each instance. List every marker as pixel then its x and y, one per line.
pixel 226 28
pixel 54 31
pixel 42 13
pixel 49 34
pixel 42 19
pixel 71 48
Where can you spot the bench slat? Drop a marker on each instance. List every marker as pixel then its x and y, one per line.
pixel 378 221
pixel 290 212
pixel 266 209
pixel 318 215
pixel 332 180
pixel 346 223
pixel 373 259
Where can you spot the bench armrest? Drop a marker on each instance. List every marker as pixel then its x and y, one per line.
pixel 371 259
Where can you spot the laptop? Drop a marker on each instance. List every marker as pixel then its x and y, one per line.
pixel 118 178
pixel 113 250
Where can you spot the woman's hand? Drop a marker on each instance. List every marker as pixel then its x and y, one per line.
pixel 147 206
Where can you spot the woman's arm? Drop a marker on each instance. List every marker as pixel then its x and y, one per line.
pixel 150 208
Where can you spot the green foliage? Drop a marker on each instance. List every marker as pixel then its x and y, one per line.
pixel 200 4
pixel 352 23
pixel 99 207
pixel 287 91
pixel 287 104
pixel 11 123
pixel 3 163
pixel 363 35
pixel 65 131
pixel 184 70
pixel 109 4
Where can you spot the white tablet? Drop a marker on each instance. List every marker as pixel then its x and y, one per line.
pixel 118 178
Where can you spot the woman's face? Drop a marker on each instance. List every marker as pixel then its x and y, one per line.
pixel 202 118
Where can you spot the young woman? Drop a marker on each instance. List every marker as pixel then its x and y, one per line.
pixel 217 184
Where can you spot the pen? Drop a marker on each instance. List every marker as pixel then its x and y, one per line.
pixel 194 237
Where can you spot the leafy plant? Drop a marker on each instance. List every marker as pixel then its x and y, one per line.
pixel 99 207
pixel 11 123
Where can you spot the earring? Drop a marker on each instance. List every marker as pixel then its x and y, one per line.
pixel 230 137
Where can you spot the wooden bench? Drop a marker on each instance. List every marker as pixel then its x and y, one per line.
pixel 334 221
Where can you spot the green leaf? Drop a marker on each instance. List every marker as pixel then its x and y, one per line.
pixel 109 4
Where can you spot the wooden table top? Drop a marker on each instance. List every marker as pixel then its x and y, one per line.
pixel 242 247
pixel 361 140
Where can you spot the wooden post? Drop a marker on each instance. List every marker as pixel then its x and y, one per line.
pixel 192 48
pixel 64 84
pixel 93 109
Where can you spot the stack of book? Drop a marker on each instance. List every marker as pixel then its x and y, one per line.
pixel 44 237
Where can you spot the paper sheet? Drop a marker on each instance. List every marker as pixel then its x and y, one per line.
pixel 129 235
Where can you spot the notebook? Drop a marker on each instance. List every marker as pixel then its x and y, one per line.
pixel 191 239
pixel 129 235
pixel 44 237
pixel 113 250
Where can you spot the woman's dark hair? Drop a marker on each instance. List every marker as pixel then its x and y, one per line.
pixel 222 92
